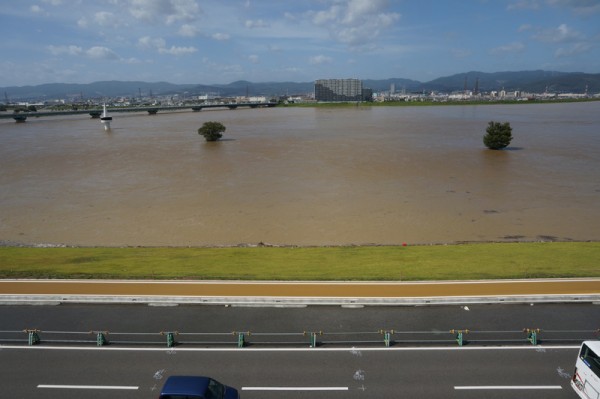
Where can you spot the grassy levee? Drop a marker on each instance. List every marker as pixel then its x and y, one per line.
pixel 378 263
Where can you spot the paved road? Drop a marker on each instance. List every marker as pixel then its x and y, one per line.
pixel 362 369
pixel 294 374
pixel 207 325
pixel 301 292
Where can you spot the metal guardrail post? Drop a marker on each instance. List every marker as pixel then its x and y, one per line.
pixel 387 337
pixel 170 338
pixel 313 337
pixel 33 336
pixel 241 339
pixel 532 335
pixel 459 336
pixel 101 339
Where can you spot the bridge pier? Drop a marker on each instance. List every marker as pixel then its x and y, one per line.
pixel 232 106
pixel 95 114
pixel 152 111
pixel 20 118
pixel 196 109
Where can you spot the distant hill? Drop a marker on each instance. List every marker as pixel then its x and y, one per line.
pixel 400 84
pixel 242 87
pixel 530 81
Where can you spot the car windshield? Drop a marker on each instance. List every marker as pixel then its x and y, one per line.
pixel 215 390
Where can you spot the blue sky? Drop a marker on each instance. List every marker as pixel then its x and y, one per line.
pixel 221 41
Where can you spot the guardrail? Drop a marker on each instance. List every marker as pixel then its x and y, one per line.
pixel 241 339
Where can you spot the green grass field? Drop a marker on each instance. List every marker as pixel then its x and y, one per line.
pixel 435 262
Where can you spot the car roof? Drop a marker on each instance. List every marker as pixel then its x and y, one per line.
pixel 185 385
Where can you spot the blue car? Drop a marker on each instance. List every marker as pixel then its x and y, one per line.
pixel 195 387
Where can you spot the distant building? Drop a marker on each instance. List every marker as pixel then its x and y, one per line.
pixel 257 99
pixel 341 90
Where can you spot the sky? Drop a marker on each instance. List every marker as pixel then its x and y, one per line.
pixel 222 41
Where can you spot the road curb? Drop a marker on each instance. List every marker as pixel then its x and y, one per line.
pixel 153 300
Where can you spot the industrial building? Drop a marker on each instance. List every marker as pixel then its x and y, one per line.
pixel 341 90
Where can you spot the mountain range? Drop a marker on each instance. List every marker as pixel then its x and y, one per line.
pixel 529 81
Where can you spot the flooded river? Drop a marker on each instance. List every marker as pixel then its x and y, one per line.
pixel 303 176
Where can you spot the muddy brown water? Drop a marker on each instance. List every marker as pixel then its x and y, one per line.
pixel 303 176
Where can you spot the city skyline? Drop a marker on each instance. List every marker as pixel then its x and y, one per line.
pixel 217 42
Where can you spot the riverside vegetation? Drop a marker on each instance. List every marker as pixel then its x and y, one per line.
pixel 377 263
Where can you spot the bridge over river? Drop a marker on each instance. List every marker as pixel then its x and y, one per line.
pixel 152 110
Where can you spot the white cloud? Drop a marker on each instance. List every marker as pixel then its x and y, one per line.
pixel 167 11
pixel 159 44
pixel 253 58
pixel 188 30
pixel 173 50
pixel 577 48
pixel 36 9
pixel 132 60
pixel 561 34
pixel 524 28
pixel 101 53
pixel 355 22
pixel 95 52
pixel 65 50
pixel 82 22
pixel 320 59
pixel 571 41
pixel 253 24
pixel 515 47
pixel 460 52
pixel 229 70
pixel 104 18
pixel 524 5
pixel 220 36
pixel 151 43
pixel 581 7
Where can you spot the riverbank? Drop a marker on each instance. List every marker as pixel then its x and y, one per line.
pixel 339 263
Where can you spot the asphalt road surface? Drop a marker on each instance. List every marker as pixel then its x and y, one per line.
pixel 526 372
pixel 496 361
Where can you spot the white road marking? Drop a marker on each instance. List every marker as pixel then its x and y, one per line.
pixel 113 387
pixel 300 349
pixel 294 388
pixel 499 387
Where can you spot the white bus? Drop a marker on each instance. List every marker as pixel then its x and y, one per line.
pixel 586 377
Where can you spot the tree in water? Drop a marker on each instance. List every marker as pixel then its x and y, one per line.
pixel 498 136
pixel 212 131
